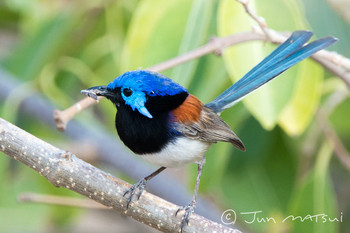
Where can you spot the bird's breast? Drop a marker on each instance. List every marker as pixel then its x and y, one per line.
pixel 178 152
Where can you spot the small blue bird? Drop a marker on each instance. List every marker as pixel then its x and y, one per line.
pixel 159 120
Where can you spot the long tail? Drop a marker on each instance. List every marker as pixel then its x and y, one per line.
pixel 292 51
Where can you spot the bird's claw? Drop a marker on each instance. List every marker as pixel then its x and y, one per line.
pixel 140 186
pixel 189 209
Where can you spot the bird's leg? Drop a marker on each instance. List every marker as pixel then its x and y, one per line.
pixel 140 185
pixel 189 209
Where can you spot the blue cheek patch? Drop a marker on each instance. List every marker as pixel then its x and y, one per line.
pixel 137 101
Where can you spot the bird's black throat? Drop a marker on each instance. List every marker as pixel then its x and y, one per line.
pixel 145 135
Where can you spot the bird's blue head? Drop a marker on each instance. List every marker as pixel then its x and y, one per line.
pixel 145 91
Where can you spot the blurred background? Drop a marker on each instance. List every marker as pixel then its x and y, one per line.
pixel 50 50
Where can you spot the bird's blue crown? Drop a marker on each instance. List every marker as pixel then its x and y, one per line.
pixel 151 83
pixel 137 86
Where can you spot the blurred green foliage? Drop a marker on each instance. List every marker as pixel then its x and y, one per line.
pixel 60 47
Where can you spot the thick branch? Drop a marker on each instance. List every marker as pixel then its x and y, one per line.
pixel 110 150
pixel 63 169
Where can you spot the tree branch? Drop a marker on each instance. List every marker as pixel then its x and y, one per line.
pixel 63 169
pixel 111 151
pixel 260 20
pixel 216 45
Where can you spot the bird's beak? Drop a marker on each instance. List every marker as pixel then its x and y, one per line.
pixel 93 92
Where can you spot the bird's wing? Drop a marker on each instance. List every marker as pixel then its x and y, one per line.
pixel 209 128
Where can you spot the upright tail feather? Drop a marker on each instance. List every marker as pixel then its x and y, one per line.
pixel 292 51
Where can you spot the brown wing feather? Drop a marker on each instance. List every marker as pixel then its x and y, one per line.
pixel 203 124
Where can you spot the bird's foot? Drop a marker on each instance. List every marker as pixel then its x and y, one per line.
pixel 189 209
pixel 139 186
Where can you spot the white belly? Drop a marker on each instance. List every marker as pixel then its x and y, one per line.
pixel 178 153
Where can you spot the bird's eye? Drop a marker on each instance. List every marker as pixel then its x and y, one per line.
pixel 127 92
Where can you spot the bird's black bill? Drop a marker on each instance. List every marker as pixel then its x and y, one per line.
pixel 94 92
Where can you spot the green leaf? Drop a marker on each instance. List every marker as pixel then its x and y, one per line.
pixel 196 33
pixel 340 120
pixel 154 31
pixel 325 21
pixel 270 101
pixel 34 52
pixel 300 110
pixel 315 196
pixel 210 78
pixel 214 170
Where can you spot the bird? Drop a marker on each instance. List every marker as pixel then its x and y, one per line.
pixel 162 122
